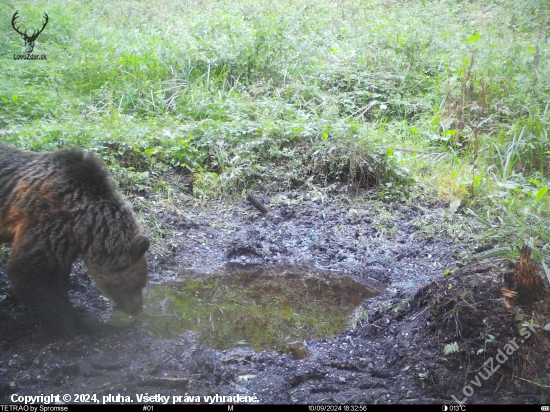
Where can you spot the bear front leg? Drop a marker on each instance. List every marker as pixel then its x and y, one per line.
pixel 40 284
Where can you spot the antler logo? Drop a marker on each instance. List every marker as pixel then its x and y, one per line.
pixel 29 40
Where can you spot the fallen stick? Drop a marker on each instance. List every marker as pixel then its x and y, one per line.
pixel 257 204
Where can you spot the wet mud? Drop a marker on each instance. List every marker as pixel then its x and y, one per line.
pixel 321 300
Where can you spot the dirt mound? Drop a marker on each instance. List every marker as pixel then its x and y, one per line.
pixel 461 339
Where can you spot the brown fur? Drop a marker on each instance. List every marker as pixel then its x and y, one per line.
pixel 56 206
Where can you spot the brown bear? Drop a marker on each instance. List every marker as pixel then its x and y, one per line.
pixel 54 207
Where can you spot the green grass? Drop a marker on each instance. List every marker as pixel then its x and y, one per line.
pixel 278 95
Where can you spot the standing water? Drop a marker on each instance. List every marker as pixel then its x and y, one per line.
pixel 256 309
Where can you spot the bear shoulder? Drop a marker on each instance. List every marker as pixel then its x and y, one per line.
pixel 85 171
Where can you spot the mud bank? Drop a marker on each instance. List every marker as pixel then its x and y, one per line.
pixel 387 354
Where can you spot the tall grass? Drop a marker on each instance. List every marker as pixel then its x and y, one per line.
pixel 274 94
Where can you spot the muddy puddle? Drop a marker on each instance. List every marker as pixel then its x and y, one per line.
pixel 258 309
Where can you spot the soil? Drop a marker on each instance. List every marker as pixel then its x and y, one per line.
pixel 423 339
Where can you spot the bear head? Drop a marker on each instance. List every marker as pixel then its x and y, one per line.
pixel 122 278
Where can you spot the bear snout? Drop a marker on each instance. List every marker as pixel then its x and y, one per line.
pixel 133 305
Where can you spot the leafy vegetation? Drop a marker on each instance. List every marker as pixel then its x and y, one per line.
pixel 450 95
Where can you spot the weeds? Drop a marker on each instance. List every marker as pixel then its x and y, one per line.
pixel 273 96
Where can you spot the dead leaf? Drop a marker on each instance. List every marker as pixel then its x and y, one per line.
pixel 453 207
pixel 509 293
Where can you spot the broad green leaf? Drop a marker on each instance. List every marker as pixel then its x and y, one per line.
pixel 541 192
pixel 473 38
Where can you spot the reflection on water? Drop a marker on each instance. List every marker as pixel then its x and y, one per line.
pixel 256 309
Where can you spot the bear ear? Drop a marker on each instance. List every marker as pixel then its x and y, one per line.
pixel 139 246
